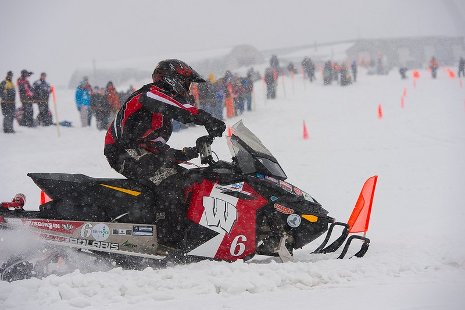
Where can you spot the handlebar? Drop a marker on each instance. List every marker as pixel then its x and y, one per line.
pixel 203 145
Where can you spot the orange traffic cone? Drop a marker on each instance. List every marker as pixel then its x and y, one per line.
pixel 380 111
pixel 305 133
pixel 229 132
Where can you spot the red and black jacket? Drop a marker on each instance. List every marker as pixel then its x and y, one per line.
pixel 25 91
pixel 145 121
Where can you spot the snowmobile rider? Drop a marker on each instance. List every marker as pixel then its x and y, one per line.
pixel 135 143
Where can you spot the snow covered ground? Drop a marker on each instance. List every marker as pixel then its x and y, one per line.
pixel 417 254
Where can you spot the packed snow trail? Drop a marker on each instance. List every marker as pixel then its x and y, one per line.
pixel 415 260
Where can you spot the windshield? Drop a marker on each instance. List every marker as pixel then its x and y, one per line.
pixel 251 155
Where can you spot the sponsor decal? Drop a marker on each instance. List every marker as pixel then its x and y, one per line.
pixel 273 180
pixel 82 242
pixel 100 232
pixel 219 213
pixel 142 230
pixel 286 186
pixel 283 209
pixel 67 226
pixel 308 197
pixel 53 225
pixel 236 187
pixel 294 220
pixel 298 191
pixel 273 198
pixel 121 232
pixel 128 244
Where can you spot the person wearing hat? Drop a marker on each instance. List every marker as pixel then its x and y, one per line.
pixel 41 90
pixel 136 141
pixel 8 95
pixel 83 97
pixel 27 99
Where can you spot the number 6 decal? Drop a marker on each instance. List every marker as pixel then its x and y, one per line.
pixel 238 246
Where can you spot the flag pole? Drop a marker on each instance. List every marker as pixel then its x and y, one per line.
pixel 55 109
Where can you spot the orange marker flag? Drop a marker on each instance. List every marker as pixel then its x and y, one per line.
pixel 305 133
pixel 44 198
pixel 451 74
pixel 229 132
pixel 54 98
pixel 380 111
pixel 360 217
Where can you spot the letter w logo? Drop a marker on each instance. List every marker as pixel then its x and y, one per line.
pixel 219 213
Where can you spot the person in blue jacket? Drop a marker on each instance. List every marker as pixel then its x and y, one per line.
pixel 83 96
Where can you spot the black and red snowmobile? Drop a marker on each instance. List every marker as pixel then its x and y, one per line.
pixel 233 210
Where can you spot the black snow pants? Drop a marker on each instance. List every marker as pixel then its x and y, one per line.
pixel 44 117
pixel 167 180
pixel 8 111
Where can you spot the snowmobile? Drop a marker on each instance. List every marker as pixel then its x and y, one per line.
pixel 232 210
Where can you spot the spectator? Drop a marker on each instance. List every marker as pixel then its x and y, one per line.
pixel 271 77
pixel 238 95
pixel 247 84
pixel 309 68
pixel 100 108
pixel 26 97
pixel 274 62
pixel 345 78
pixel 403 72
pixel 380 66
pixel 219 99
pixel 206 97
pixel 327 73
pixel 291 68
pixel 253 75
pixel 8 97
pixel 83 96
pixel 228 94
pixel 42 90
pixel 112 98
pixel 433 65
pixel 336 70
pixel 354 69
pixel 125 95
pixel 461 67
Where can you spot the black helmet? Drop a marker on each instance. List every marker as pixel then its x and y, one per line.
pixel 177 74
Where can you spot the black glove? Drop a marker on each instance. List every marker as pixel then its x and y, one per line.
pixel 214 126
pixel 201 141
pixel 190 152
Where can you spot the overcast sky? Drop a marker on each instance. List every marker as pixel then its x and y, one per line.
pixel 57 36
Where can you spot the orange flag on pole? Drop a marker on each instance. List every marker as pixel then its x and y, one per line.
pixel 305 132
pixel 360 217
pixel 380 111
pixel 52 89
pixel 44 198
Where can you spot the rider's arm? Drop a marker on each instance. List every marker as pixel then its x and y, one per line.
pixel 158 102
